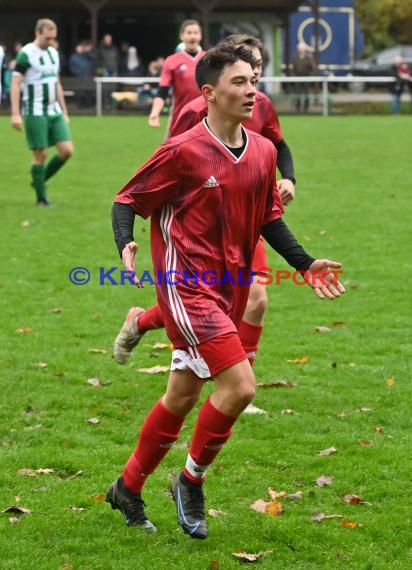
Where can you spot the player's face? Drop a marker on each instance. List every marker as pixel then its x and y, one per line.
pixel 257 70
pixel 235 91
pixel 46 38
pixel 191 36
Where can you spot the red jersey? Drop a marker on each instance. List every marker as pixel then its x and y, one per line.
pixel 178 72
pixel 207 209
pixel 264 120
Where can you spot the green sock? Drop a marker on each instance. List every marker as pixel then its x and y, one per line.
pixel 37 172
pixel 53 166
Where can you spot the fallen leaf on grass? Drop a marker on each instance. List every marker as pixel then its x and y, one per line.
pixel 251 557
pixel 215 513
pixel 301 360
pixel 35 472
pixel 365 442
pixel 288 412
pixel 390 381
pixel 24 330
pixel 17 509
pixel 56 310
pixel 214 564
pixel 379 429
pixel 100 498
pixel 364 409
pixel 322 329
pixel 274 495
pixel 76 509
pixel 251 409
pixel 14 520
pixel 338 324
pixel 277 384
pixel 95 382
pixel 92 421
pixel 328 451
pixel 25 223
pixel 154 369
pixel 41 364
pixel 160 345
pixel 97 350
pixel 354 499
pixel 33 427
pixel 324 480
pixel 349 524
pixel 272 508
pixel 295 496
pixel 319 517
pixel 341 414
pixel 72 476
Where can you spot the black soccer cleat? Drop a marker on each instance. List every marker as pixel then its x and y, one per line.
pixel 190 506
pixel 130 504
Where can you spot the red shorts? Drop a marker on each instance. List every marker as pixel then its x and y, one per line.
pixel 211 357
pixel 260 260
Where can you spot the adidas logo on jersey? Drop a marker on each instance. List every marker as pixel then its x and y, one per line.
pixel 211 183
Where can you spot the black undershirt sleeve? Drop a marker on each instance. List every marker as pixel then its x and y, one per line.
pixel 281 239
pixel 163 92
pixel 285 161
pixel 122 223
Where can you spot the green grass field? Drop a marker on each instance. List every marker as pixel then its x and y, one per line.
pixel 353 204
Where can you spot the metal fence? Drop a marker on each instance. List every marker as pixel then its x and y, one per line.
pixel 325 85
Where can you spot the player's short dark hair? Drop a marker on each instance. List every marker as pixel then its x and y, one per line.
pixel 211 66
pixel 186 23
pixel 244 40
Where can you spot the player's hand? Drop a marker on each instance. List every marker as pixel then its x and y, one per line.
pixel 286 190
pixel 66 118
pixel 154 121
pixel 16 122
pixel 322 276
pixel 129 260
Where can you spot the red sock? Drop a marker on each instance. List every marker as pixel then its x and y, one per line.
pixel 249 337
pixel 212 430
pixel 150 320
pixel 159 431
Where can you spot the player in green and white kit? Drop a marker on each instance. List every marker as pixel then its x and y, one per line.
pixel 44 110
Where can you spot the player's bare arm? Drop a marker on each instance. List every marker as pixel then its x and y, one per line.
pixel 158 104
pixel 16 119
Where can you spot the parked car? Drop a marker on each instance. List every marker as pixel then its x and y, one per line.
pixel 380 65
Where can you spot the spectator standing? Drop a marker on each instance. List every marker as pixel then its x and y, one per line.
pixel 108 57
pixel 132 66
pixel 402 75
pixel 82 63
pixel 303 65
pixel 2 57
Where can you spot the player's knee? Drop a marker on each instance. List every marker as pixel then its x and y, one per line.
pixel 181 405
pixel 245 394
pixel 66 152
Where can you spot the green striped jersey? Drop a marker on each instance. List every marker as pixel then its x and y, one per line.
pixel 41 71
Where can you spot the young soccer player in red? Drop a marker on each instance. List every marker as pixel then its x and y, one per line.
pixel 265 122
pixel 178 72
pixel 210 195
